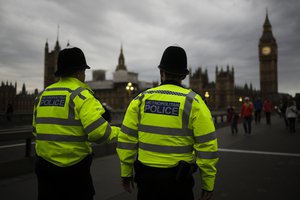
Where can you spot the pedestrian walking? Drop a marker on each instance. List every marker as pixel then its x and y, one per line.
pixel 257 110
pixel 234 121
pixel 67 118
pixel 291 115
pixel 246 114
pixel 268 108
pixel 166 129
pixel 9 112
pixel 282 109
pixel 229 114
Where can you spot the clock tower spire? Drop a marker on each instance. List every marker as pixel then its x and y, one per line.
pixel 267 51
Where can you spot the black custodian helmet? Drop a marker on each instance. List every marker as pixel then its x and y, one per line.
pixel 69 61
pixel 174 61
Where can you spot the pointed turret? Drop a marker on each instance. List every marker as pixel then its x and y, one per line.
pixel 23 89
pixel 121 65
pixel 47 47
pixel 267 35
pixel 57 47
pixel 267 25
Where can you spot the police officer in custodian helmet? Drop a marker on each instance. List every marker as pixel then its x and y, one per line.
pixel 67 118
pixel 167 133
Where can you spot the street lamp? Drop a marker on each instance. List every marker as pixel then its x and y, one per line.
pixel 206 95
pixel 129 87
pixel 240 99
pixel 206 100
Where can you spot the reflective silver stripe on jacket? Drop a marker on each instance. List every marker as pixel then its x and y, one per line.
pixel 94 125
pixel 164 92
pixel 166 149
pixel 129 131
pixel 187 109
pixel 127 145
pixel 165 131
pixel 206 138
pixel 58 121
pixel 61 138
pixel 59 89
pixel 71 102
pixel 105 136
pixel 207 155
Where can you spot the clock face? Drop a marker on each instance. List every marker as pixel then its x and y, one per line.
pixel 266 50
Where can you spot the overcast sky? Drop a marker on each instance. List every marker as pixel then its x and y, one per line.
pixel 213 32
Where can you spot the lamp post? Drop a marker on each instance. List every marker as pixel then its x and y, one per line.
pixel 206 95
pixel 129 87
pixel 240 99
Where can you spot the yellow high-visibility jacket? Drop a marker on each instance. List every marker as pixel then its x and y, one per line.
pixel 66 119
pixel 167 124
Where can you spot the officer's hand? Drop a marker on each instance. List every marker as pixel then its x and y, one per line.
pixel 128 184
pixel 206 195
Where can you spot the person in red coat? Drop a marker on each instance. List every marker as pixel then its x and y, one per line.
pixel 268 108
pixel 246 114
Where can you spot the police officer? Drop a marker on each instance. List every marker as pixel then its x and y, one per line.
pixel 165 130
pixel 67 118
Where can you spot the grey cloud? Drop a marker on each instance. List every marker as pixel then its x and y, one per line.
pixel 212 32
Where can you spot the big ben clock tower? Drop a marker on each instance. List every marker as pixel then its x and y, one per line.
pixel 268 61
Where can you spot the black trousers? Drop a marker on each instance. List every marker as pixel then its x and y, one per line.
pixel 234 128
pixel 292 124
pixel 257 116
pixel 161 184
pixel 64 183
pixel 247 124
pixel 268 117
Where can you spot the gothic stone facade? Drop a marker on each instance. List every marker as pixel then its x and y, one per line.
pixel 21 102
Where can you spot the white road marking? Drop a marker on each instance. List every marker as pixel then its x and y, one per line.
pixel 13 145
pixel 259 152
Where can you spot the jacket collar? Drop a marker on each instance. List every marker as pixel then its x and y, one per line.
pixel 78 82
pixel 171 82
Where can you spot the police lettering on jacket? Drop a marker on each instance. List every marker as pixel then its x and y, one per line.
pixel 162 107
pixel 57 100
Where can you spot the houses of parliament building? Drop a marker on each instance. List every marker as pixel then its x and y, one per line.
pixel 125 84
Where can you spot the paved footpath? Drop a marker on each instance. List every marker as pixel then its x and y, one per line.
pixel 263 165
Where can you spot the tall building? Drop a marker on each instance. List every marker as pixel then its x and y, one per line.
pixel 50 63
pixel 221 93
pixel 117 92
pixel 225 94
pixel 268 54
pixel 21 102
